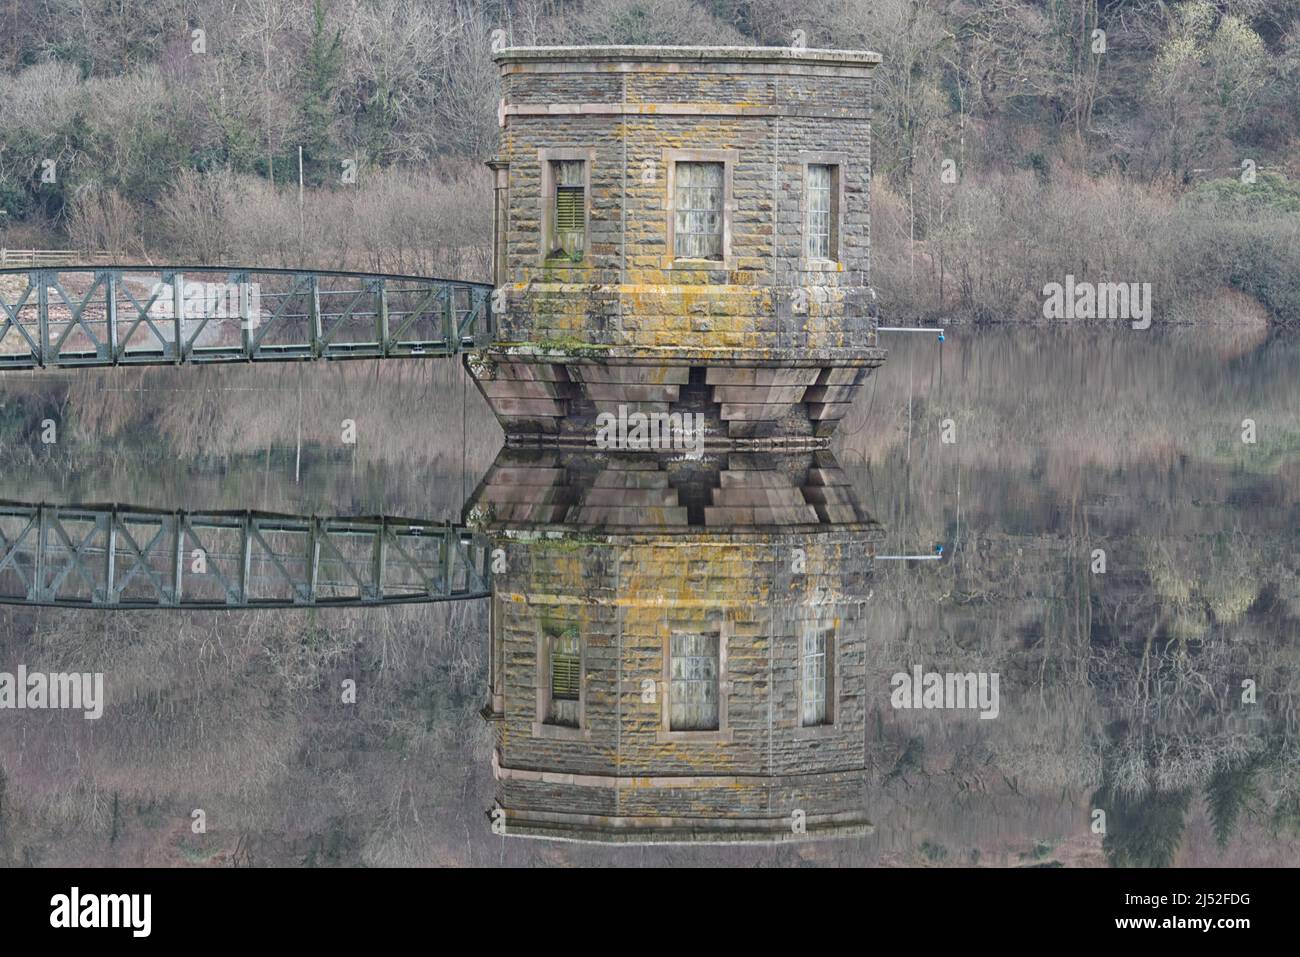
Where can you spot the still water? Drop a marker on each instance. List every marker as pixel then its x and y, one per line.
pixel 1095 530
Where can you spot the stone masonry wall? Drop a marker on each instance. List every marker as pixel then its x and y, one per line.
pixel 627 597
pixel 628 113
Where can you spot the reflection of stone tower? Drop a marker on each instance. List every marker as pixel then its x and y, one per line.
pixel 682 229
pixel 677 646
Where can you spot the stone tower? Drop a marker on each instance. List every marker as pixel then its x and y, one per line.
pixel 682 229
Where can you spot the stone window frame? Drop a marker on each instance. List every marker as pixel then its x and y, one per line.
pixel 723 733
pixel 542 684
pixel 728 159
pixel 546 217
pixel 840 162
pixel 500 220
pixel 831 726
pixel 496 656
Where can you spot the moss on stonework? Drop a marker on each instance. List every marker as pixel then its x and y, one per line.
pixel 479 366
pixel 571 345
pixel 570 544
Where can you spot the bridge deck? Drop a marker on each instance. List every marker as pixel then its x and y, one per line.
pixel 109 556
pixel 107 316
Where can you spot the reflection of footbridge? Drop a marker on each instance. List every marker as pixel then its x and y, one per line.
pixel 110 556
pixel 108 316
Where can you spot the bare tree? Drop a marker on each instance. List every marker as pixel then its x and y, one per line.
pixel 101 219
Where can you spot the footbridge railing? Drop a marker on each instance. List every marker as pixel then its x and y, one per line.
pixel 112 556
pixel 133 315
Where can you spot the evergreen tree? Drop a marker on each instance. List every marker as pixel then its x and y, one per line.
pixel 322 69
pixel 1145 831
pixel 1226 793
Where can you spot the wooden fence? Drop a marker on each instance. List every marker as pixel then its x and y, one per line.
pixel 40 258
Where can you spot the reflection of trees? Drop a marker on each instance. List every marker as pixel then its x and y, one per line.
pixel 1106 681
pixel 1230 791
pixel 226 438
pixel 1124 686
pixel 240 714
pixel 1143 831
pixel 409 416
pixel 1119 690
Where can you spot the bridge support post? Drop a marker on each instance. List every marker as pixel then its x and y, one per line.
pixel 448 557
pixel 381 332
pixel 179 566
pixel 42 534
pixel 313 558
pixel 110 558
pixel 178 314
pixel 246 314
pixel 380 558
pixel 449 317
pixel 314 307
pixel 245 558
pixel 42 316
pixel 110 311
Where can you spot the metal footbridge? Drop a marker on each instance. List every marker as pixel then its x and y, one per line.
pixel 171 315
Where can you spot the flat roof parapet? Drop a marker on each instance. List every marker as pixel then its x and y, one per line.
pixel 672 54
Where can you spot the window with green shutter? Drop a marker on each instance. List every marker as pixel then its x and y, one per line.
pixel 564 669
pixel 569 217
pixel 564 659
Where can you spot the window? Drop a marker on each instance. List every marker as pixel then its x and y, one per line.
pixel 564 658
pixel 816 658
pixel 698 210
pixel 821 226
pixel 693 692
pixel 570 216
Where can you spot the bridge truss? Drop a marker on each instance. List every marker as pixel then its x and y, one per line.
pixel 107 316
pixel 110 556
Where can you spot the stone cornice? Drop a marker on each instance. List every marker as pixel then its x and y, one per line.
pixel 668 54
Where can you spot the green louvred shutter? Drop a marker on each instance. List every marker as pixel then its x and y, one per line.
pixel 568 208
pixel 564 677
pixel 565 664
